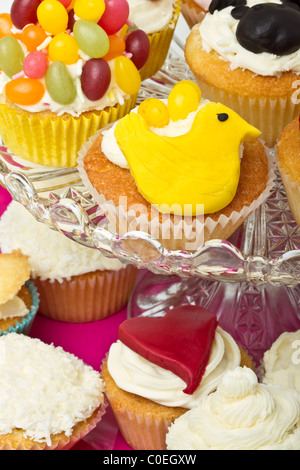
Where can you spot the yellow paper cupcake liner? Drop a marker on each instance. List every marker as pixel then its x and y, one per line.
pixel 159 46
pixel 51 140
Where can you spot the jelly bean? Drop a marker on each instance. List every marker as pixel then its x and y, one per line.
pixel 5 25
pixel 66 3
pixel 24 91
pixel 11 56
pixel 60 84
pixel 24 12
pixel 35 64
pixel 91 38
pixel 138 44
pixel 127 75
pixel 115 15
pixel 71 20
pixel 91 10
pixel 95 78
pixel 53 16
pixel 155 112
pixel 116 47
pixel 183 99
pixel 64 48
pixel 33 36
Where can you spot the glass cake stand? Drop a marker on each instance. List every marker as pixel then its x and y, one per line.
pixel 251 281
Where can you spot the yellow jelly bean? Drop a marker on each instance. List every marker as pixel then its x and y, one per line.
pixel 91 10
pixel 127 75
pixel 155 112
pixel 64 48
pixel 183 99
pixel 52 16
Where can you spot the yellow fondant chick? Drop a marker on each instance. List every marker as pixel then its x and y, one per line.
pixel 191 174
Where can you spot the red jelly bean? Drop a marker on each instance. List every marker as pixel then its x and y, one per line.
pixel 115 16
pixel 23 12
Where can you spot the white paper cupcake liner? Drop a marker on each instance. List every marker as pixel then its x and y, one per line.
pixel 269 115
pixel 180 234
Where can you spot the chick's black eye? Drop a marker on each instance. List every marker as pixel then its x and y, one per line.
pixel 223 117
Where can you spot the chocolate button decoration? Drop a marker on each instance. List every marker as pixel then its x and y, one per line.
pixel 221 4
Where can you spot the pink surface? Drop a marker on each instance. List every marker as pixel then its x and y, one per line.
pixel 90 342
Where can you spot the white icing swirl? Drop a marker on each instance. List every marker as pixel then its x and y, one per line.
pixel 137 375
pixel 51 255
pixel 282 361
pixel 241 415
pixel 217 32
pixel 44 390
pixel 151 16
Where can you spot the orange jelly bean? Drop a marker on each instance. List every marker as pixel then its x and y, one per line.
pixel 116 47
pixel 24 91
pixel 32 36
pixel 5 25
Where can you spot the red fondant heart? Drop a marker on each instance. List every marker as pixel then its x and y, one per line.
pixel 180 341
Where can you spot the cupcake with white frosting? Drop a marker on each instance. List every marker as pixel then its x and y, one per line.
pixel 242 414
pixel 158 18
pixel 50 398
pixel 281 363
pixel 246 54
pixel 75 283
pixel 160 367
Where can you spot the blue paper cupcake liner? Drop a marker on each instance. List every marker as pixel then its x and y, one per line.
pixel 24 326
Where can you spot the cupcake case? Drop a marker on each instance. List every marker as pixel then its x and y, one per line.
pixel 251 280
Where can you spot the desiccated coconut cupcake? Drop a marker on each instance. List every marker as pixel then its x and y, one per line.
pixel 246 54
pixel 50 399
pixel 19 299
pixel 158 18
pixel 184 171
pixel 162 366
pixel 66 71
pixel 75 283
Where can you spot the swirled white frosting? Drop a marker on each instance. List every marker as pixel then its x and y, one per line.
pixel 44 390
pixel 151 16
pixel 217 32
pixel 282 361
pixel 241 415
pixel 137 375
pixel 51 255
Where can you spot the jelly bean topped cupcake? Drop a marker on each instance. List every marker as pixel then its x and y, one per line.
pixel 68 57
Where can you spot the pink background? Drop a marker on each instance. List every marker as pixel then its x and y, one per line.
pixel 90 342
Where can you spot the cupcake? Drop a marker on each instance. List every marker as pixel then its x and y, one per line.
pixel 281 363
pixel 153 170
pixel 65 73
pixel 194 10
pixel 242 414
pixel 162 366
pixel 19 299
pixel 246 54
pixel 157 18
pixel 50 398
pixel 75 283
pixel 287 156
